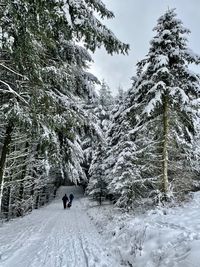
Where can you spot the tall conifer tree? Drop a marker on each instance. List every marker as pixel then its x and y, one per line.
pixel 166 98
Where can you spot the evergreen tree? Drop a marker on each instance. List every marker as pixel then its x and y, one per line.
pixel 165 103
pixel 119 99
pixel 97 186
pixel 151 138
pixel 91 132
pixel 102 111
pixel 105 96
pixel 122 173
pixel 105 105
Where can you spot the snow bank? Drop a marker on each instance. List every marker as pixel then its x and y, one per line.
pixel 165 237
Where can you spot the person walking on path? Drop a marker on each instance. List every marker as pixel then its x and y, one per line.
pixel 71 197
pixel 65 200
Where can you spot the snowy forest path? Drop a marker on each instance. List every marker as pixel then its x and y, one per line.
pixel 54 237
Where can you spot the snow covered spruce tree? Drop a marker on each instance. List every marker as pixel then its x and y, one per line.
pixel 102 111
pixel 16 92
pixel 92 133
pixel 43 79
pixel 104 107
pixel 165 103
pixel 97 187
pixel 121 169
pixel 121 94
pixel 121 173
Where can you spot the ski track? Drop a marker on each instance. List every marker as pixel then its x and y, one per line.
pixel 54 237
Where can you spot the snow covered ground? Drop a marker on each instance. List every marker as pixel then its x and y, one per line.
pixel 54 237
pixel 158 238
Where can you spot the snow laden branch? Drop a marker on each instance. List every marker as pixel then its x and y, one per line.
pixel 10 90
pixel 11 70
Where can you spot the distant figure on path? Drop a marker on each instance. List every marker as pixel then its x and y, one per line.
pixel 71 197
pixel 65 200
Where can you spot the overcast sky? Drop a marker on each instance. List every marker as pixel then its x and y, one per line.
pixel 133 24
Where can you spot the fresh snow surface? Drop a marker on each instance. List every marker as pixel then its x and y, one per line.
pixel 164 237
pixel 54 237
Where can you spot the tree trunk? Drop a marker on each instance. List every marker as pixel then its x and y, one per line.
pixel 165 146
pixel 32 192
pixel 4 153
pixel 7 203
pixel 21 188
pixel 37 201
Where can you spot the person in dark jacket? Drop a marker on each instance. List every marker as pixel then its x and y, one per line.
pixel 65 200
pixel 71 197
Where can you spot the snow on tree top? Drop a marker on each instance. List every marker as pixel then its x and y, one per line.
pixel 161 60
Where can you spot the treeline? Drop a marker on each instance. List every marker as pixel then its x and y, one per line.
pixel 151 153
pixel 44 88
